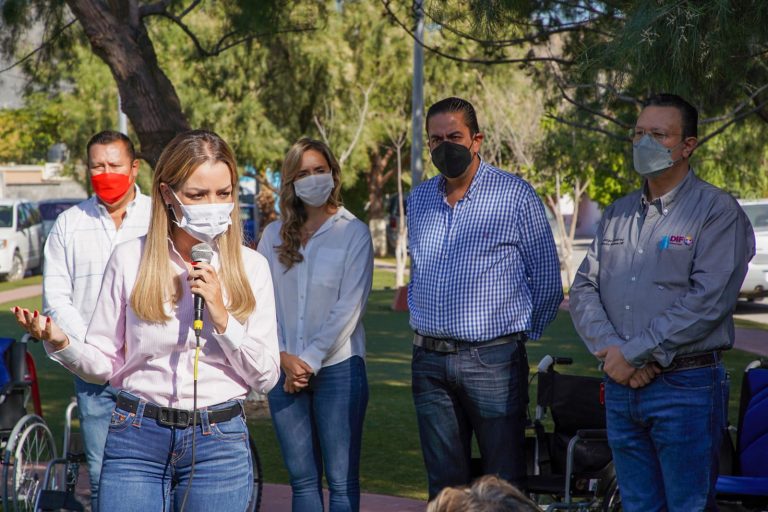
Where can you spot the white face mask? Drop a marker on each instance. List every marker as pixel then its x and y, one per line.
pixel 314 189
pixel 205 222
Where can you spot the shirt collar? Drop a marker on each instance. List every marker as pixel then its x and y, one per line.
pixel 476 180
pixel 666 201
pixel 179 261
pixel 130 205
pixel 341 213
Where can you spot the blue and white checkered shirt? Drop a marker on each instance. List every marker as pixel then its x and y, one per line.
pixel 486 267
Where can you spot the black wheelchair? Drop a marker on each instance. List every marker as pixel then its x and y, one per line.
pixel 26 442
pixel 570 465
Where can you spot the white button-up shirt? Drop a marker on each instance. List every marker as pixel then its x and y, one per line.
pixel 76 254
pixel 321 300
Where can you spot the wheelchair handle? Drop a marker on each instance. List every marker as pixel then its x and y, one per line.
pixel 549 361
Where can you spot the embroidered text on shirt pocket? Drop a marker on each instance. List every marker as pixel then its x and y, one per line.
pixel 329 267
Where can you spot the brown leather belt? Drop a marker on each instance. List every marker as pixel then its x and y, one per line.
pixel 451 346
pixel 170 417
pixel 693 361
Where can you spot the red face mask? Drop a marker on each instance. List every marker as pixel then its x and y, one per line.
pixel 110 187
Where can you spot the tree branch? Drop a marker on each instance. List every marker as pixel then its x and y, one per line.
pixel 219 47
pixel 321 129
pixel 735 119
pixel 588 127
pixel 360 124
pixel 530 38
pixel 528 59
pixel 156 8
pixel 41 47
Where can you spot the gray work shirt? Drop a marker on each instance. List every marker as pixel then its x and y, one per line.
pixel 662 278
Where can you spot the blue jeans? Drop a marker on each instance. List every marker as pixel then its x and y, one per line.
pixel 666 438
pixel 95 403
pixel 323 427
pixel 147 465
pixel 479 389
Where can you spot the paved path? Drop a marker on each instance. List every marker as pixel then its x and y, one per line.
pixel 21 293
pixel 277 498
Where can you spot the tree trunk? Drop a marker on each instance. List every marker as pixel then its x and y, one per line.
pixel 377 178
pixel 118 36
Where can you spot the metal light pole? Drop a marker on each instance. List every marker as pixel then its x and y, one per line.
pixel 122 119
pixel 417 100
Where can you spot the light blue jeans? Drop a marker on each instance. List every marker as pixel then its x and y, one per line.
pixel 323 427
pixel 95 403
pixel 666 437
pixel 147 465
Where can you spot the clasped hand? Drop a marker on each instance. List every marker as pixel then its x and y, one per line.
pixel 297 372
pixel 618 369
pixel 41 327
pixel 204 281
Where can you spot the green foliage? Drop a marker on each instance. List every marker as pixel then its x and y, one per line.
pixel 27 133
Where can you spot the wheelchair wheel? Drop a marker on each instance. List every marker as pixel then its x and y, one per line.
pixel 29 449
pixel 258 478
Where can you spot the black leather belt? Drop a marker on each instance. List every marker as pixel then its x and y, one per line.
pixel 170 417
pixel 692 361
pixel 452 346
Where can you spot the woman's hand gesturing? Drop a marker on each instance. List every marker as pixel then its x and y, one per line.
pixel 41 327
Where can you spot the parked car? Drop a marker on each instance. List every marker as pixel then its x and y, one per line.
pixel 21 239
pixel 755 285
pixel 50 209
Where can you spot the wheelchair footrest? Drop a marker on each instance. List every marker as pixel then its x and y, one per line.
pixel 59 500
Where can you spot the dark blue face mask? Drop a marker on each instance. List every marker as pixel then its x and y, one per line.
pixel 451 159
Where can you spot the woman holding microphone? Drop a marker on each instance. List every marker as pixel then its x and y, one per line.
pixel 178 435
pixel 322 262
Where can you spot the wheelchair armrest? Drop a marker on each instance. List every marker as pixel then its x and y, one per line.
pixel 591 434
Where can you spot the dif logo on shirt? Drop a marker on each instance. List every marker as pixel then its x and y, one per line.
pixel 668 240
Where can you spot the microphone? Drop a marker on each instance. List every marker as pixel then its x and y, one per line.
pixel 200 252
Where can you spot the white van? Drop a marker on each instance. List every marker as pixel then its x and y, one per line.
pixel 756 283
pixel 21 239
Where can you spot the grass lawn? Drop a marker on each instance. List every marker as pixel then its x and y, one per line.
pixel 391 459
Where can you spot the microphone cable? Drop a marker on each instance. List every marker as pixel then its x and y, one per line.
pixel 201 252
pixel 194 418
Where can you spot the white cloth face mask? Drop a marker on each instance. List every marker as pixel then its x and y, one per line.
pixel 204 222
pixel 314 189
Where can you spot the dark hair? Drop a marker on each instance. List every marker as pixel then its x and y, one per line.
pixel 688 112
pixel 108 137
pixel 450 105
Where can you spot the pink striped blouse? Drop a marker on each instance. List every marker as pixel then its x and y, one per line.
pixel 155 361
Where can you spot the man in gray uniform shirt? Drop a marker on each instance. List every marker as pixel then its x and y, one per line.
pixel 654 299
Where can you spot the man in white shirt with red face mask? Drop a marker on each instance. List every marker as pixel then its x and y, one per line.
pixel 76 254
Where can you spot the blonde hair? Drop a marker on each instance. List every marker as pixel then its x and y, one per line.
pixel 489 493
pixel 292 210
pixel 156 283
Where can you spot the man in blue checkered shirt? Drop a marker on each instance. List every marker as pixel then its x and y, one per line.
pixel 485 277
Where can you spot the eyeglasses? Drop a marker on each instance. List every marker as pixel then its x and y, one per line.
pixel 639 133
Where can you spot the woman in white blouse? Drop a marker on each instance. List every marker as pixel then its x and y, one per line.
pixel 322 262
pixel 178 434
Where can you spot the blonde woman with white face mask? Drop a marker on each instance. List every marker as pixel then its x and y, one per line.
pixel 178 435
pixel 321 260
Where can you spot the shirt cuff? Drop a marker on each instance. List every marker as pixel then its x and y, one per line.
pixel 637 351
pixel 67 355
pixel 233 337
pixel 313 357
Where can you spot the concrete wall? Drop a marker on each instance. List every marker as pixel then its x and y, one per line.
pixel 46 190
